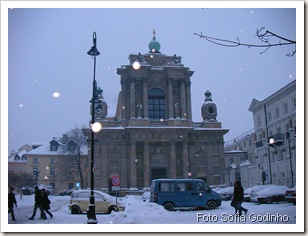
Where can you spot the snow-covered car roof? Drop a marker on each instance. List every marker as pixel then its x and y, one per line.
pixel 258 188
pixel 225 190
pixel 273 190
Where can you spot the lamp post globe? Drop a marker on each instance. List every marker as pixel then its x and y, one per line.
pixel 93 52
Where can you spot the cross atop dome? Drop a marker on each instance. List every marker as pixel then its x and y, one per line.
pixel 154 45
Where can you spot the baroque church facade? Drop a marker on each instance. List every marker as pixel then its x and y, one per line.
pixel 152 134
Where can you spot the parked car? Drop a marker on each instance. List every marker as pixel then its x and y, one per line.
pixel 270 195
pixel 253 190
pixel 183 193
pixel 291 195
pixel 226 194
pixel 67 192
pixel 26 190
pixel 104 203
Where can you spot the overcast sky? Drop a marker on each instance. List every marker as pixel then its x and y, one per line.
pixel 47 53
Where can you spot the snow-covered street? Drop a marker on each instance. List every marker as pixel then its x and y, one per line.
pixel 154 218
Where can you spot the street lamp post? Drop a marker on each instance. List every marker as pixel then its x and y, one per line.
pixel 271 144
pixel 93 52
pixel 228 169
pixel 289 133
pixel 37 172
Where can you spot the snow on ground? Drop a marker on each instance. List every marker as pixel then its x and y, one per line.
pixel 151 217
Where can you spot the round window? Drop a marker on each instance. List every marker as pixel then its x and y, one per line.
pixel 211 110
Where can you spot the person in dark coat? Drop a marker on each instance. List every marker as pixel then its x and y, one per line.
pixel 12 201
pixel 238 198
pixel 38 203
pixel 46 203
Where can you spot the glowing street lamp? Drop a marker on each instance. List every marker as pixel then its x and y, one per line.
pixel 93 52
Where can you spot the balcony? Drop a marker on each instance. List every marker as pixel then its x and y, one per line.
pixel 276 140
pixel 259 144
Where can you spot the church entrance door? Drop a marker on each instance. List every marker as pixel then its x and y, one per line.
pixel 158 173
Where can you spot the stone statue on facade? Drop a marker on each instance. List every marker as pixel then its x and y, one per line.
pixel 176 109
pixel 139 110
pixel 100 106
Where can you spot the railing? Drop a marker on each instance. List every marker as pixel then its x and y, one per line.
pixel 259 144
pixel 277 137
pixel 238 138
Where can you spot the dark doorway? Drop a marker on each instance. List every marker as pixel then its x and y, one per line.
pixel 158 173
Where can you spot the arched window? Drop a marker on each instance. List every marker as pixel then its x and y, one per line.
pixel 156 104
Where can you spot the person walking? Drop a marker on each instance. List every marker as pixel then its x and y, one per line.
pixel 12 201
pixel 233 204
pixel 46 203
pixel 38 204
pixel 238 198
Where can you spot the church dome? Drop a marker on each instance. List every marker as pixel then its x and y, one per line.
pixel 154 45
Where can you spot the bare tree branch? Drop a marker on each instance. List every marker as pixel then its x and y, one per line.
pixel 74 158
pixel 263 37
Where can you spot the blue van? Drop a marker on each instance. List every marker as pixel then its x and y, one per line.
pixel 183 193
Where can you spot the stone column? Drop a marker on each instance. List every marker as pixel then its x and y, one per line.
pixel 123 92
pixel 147 182
pixel 188 94
pixel 185 160
pixel 183 100
pixel 145 99
pixel 170 98
pixel 172 160
pixel 104 165
pixel 133 169
pixel 132 99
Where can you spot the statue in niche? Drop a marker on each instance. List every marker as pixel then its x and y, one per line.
pixel 176 109
pixel 139 109
pixel 158 148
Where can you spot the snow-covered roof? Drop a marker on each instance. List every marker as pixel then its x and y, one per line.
pixel 44 149
pixel 245 163
pixel 20 159
pixel 235 151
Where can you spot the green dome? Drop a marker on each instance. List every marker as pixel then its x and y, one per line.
pixel 154 46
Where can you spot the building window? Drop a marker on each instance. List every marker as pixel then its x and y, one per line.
pixel 282 155
pixel 277 113
pixel 52 171
pixel 294 103
pixel 269 116
pixel 70 185
pixel 53 148
pixel 35 171
pixel 270 133
pixel 35 160
pixel 156 104
pixel 285 108
pixel 278 130
pixel 258 121
pixel 52 160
